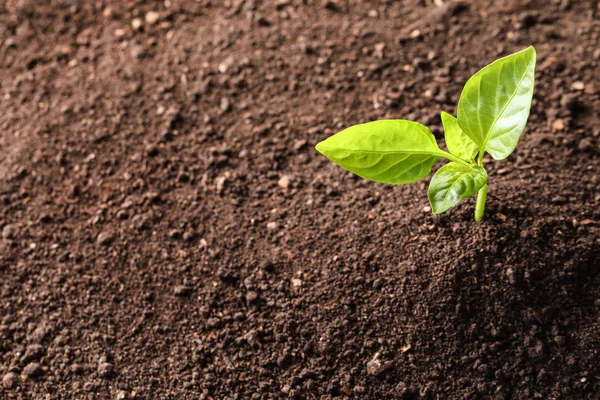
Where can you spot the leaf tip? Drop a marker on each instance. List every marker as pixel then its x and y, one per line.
pixel 530 51
pixel 319 147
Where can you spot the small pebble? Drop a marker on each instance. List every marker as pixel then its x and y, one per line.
pixel 32 370
pixel 77 369
pixel 252 297
pixel 90 386
pixel 272 226
pixel 578 85
pixel 378 283
pixel 33 352
pixel 9 231
pixel 284 182
pixel 105 370
pixel 374 367
pixel 104 238
pixel 136 24
pixel 152 17
pixel 225 104
pixel 181 291
pixel 9 380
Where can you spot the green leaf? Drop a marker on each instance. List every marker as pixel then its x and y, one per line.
pixel 494 104
pixel 457 141
pixel 388 151
pixel 452 183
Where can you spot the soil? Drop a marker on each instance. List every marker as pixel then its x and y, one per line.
pixel 169 231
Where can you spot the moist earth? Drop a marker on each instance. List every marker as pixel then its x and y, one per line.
pixel 169 232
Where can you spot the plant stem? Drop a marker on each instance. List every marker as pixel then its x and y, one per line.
pixel 455 159
pixel 480 159
pixel 480 205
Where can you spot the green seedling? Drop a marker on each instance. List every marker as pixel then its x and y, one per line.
pixel 492 112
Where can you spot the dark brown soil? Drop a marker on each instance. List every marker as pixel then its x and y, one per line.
pixel 169 231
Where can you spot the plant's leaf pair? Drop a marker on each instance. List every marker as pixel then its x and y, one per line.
pixel 492 112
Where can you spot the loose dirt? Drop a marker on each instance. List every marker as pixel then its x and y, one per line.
pixel 169 231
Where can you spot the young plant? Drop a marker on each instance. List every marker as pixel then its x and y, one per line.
pixel 492 111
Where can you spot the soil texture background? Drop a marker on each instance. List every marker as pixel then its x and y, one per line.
pixel 169 232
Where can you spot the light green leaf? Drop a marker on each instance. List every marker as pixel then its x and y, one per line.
pixel 452 183
pixel 388 151
pixel 494 104
pixel 457 141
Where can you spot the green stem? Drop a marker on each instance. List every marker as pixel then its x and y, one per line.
pixel 455 159
pixel 480 159
pixel 480 205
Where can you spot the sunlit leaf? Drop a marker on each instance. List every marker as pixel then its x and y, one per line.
pixel 495 103
pixel 388 151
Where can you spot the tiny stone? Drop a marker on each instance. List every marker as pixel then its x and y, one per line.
pixel 585 144
pixel 39 334
pixel 119 32
pixel 374 366
pixel 415 34
pixel 578 85
pixel 272 226
pixel 32 370
pixel 558 125
pixel 252 337
pixel 220 183
pixel 90 386
pixel 136 24
pixel 181 291
pixel 299 144
pixel 9 231
pixel 252 297
pixel 9 380
pixel 33 352
pixel 121 395
pixel 104 238
pixel 152 17
pixel 122 214
pixel 224 66
pixel 225 104
pixel 510 273
pixel 175 234
pixel 105 369
pixel 284 182
pixel 77 369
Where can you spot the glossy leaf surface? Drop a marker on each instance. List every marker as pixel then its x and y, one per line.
pixel 387 151
pixel 452 183
pixel 457 141
pixel 495 103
